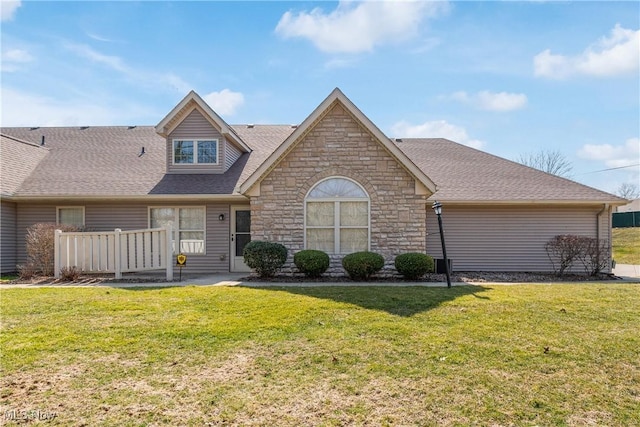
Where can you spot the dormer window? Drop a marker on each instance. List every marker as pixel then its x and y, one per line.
pixel 195 151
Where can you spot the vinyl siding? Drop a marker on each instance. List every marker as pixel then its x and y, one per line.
pixel 195 125
pixel 8 237
pixel 508 238
pixel 231 155
pixel 109 216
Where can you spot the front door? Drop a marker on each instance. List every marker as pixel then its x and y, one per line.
pixel 240 236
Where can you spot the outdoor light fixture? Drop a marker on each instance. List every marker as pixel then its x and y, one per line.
pixel 437 208
pixel 221 217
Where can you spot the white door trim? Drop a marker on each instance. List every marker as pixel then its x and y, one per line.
pixel 237 264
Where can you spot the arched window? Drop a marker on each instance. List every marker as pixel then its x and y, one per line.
pixel 337 217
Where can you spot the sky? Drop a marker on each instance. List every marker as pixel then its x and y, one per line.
pixel 506 77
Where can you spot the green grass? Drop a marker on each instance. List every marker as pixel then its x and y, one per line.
pixel 564 354
pixel 6 278
pixel 626 245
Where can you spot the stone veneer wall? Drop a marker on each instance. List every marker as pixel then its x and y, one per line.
pixel 339 146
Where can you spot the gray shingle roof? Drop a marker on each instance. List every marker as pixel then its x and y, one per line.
pixel 106 162
pixel 13 173
pixel 464 174
pixel 96 161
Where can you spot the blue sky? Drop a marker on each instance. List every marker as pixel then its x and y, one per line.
pixel 509 78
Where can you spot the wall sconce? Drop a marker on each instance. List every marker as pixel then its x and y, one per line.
pixel 221 217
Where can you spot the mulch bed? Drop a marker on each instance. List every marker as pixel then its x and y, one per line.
pixel 463 276
pixel 458 277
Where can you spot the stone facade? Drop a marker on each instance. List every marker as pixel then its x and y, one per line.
pixel 338 145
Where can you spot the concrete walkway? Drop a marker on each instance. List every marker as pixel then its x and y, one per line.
pixel 626 273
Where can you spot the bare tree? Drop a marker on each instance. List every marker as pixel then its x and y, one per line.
pixel 550 161
pixel 628 191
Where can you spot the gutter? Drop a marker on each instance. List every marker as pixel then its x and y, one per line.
pixel 541 202
pixel 142 198
pixel 605 207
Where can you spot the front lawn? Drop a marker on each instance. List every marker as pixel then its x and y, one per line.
pixel 564 354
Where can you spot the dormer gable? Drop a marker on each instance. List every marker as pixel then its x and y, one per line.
pixel 198 139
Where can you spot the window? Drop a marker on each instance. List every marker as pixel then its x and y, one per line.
pixel 337 217
pixel 188 225
pixel 71 216
pixel 197 151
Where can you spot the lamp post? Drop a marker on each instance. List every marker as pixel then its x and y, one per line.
pixel 437 208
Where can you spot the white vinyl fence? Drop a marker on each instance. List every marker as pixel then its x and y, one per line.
pixel 115 251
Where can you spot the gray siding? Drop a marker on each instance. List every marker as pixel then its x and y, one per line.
pixel 8 237
pixel 231 155
pixel 195 125
pixel 507 238
pixel 131 216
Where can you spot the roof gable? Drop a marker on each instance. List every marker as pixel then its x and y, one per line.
pixel 335 97
pixel 191 102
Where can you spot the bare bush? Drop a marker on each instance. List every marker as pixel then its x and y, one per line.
pixel 70 273
pixel 27 271
pixel 563 250
pixel 40 245
pixel 594 255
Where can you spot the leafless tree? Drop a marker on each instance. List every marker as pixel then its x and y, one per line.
pixel 550 161
pixel 628 191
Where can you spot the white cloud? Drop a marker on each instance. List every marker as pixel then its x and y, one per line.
pixel 86 52
pixel 359 26
pixel 491 101
pixel 8 9
pixel 225 102
pixel 17 55
pixel 139 76
pixel 338 63
pixel 12 59
pixel 24 109
pixel 100 38
pixel 435 129
pixel 613 156
pixel 614 55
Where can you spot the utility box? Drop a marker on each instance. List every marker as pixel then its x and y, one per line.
pixel 440 265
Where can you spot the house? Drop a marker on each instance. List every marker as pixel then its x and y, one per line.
pixel 335 183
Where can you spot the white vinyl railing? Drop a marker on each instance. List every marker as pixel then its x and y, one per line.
pixel 114 251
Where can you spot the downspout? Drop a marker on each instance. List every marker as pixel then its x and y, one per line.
pixel 605 207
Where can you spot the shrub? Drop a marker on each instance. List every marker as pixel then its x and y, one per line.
pixel 27 271
pixel 311 262
pixel 594 255
pixel 362 265
pixel 264 257
pixel 413 265
pixel 40 245
pixel 563 250
pixel 70 273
